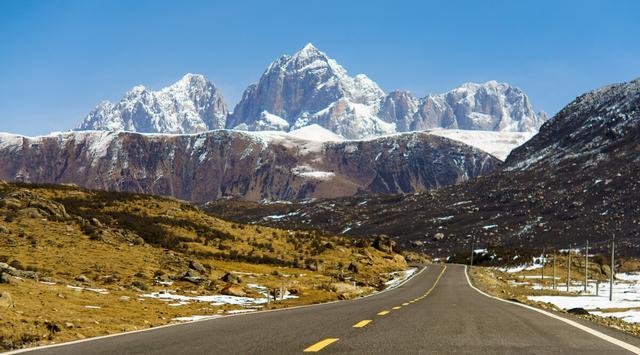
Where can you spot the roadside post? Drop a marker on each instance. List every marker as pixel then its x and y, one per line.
pixel 569 269
pixel 542 260
pixel 586 266
pixel 554 269
pixel 613 266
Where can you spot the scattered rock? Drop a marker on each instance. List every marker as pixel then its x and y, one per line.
pixel 384 244
pixel 6 301
pixel 233 290
pixel 578 311
pixel 82 278
pixel 231 278
pixel 4 230
pixel 96 222
pixel 353 268
pixel 6 278
pixel 52 327
pixel 193 276
pixel 195 265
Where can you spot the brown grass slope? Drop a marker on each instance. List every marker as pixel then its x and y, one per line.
pixel 74 263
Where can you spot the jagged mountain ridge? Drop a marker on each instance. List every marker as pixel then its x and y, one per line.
pixel 578 178
pixel 311 88
pixel 249 165
pixel 191 105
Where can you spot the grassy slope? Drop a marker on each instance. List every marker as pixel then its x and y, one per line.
pixel 127 243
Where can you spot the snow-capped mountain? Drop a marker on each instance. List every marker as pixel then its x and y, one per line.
pixel 311 88
pixel 490 106
pixel 191 105
pixel 600 126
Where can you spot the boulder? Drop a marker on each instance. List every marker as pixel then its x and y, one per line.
pixel 193 276
pixel 384 244
pixel 353 267
pixel 52 209
pixel 5 278
pixel 231 278
pixel 195 265
pixel 233 290
pixel 438 236
pixel 6 301
pixel 82 278
pixel 4 230
pixel 578 311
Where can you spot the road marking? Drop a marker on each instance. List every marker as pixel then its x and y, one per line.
pixel 610 339
pixel 383 313
pixel 405 304
pixel 437 280
pixel 320 345
pixel 362 323
pixel 396 307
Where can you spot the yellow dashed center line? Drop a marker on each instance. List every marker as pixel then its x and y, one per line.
pixel 324 343
pixel 362 323
pixel 320 345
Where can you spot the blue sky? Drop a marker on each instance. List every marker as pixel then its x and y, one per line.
pixel 60 58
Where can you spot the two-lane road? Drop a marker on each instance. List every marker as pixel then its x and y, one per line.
pixel 437 311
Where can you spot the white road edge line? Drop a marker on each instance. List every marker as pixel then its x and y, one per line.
pixel 19 351
pixel 610 339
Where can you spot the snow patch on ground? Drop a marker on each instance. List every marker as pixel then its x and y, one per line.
pixel 398 277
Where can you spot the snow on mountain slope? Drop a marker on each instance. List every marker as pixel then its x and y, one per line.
pixel 311 88
pixel 498 144
pixel 274 165
pixel 191 105
pixel 490 106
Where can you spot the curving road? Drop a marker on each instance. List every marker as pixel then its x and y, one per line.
pixel 436 312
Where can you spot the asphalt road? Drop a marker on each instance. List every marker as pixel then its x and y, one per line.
pixel 435 312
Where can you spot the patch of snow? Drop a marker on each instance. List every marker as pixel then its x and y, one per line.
pixel 397 277
pixel 194 318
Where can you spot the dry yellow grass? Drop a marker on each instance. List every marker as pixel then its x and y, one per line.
pixel 127 244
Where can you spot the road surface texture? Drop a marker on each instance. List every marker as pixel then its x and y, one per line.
pixel 436 312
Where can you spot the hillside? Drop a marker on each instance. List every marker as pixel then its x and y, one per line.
pixel 103 262
pixel 307 163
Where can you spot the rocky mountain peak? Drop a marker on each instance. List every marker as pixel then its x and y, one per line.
pixel 190 105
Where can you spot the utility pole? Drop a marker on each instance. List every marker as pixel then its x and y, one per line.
pixel 586 266
pixel 569 269
pixel 554 269
pixel 542 260
pixel 613 266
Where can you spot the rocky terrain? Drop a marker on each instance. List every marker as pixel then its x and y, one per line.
pixel 307 163
pixel 191 105
pixel 578 179
pixel 76 263
pixel 310 88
